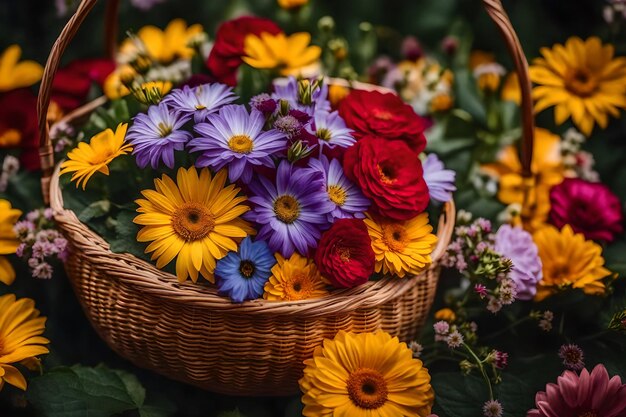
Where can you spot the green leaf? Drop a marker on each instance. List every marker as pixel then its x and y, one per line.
pixel 457 395
pixel 82 391
pixel 134 388
pixel 94 210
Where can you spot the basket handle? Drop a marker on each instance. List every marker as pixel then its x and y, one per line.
pixel 493 7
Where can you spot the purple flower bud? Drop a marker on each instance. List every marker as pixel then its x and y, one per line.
pixel 411 48
pixel 263 103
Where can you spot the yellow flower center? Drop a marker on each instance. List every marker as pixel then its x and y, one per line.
pixel 287 209
pixel 395 237
pixel 382 114
pixel 337 195
pixel 241 144
pixel 323 134
pixel 193 221
pixel 200 107
pixel 581 82
pixel 367 388
pixel 344 254
pixel 387 173
pixel 164 129
pixel 9 138
pixel 246 268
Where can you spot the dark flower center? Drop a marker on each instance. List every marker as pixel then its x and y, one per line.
pixel 246 268
pixel 387 173
pixel 193 221
pixel 367 388
pixel 581 82
pixel 287 209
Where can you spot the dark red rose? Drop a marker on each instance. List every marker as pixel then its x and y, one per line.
pixel 225 57
pixel 344 254
pixel 590 208
pixel 390 174
pixel 18 112
pixel 72 83
pixel 384 115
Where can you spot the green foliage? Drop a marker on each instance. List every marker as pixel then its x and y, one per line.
pixel 80 391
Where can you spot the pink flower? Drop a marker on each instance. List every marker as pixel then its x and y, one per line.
pixel 572 357
pixel 481 290
pixel 590 208
pixel 590 394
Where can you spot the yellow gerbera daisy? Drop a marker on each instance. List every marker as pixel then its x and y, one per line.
pixel 547 168
pixel 162 46
pixel 401 248
pixel 8 240
pixel 15 74
pixel 569 261
pixel 293 279
pixel 287 54
pixel 580 79
pixel 87 159
pixel 197 220
pixel 20 337
pixel 365 375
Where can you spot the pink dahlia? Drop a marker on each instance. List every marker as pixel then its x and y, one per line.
pixel 588 394
pixel 589 207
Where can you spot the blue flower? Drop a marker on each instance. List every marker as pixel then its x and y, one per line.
pixel 292 212
pixel 201 100
pixel 156 135
pixel 440 181
pixel 235 138
pixel 347 199
pixel 242 275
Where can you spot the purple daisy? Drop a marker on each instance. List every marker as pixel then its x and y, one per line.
pixel 236 138
pixel 331 130
pixel 292 212
pixel 440 181
pixel 201 100
pixel 347 199
pixel 517 244
pixel 288 90
pixel 156 135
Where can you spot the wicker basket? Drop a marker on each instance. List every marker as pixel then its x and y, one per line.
pixel 190 333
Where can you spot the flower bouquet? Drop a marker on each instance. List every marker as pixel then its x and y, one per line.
pixel 294 212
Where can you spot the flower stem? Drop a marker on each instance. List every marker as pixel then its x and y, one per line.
pixel 482 369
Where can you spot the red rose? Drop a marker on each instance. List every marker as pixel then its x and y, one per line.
pixel 225 57
pixel 72 83
pixel 344 254
pixel 390 174
pixel 18 113
pixel 384 115
pixel 590 208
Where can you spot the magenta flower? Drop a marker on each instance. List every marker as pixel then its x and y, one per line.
pixel 572 357
pixel 587 394
pixel 590 208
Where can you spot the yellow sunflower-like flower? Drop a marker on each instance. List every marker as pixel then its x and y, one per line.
pixel 21 328
pixel 365 375
pixel 547 168
pixel 195 220
pixel 15 74
pixel 288 54
pixel 445 314
pixel 163 46
pixel 8 240
pixel 95 156
pixel 580 79
pixel 569 261
pixel 292 4
pixel 401 248
pixel 293 279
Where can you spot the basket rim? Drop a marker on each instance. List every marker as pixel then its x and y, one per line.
pixel 146 277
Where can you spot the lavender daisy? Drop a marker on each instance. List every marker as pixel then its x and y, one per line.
pixel 201 100
pixel 292 212
pixel 316 101
pixel 331 130
pixel 156 135
pixel 235 138
pixel 517 245
pixel 347 199
pixel 440 181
